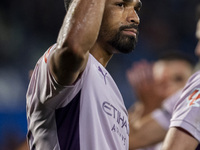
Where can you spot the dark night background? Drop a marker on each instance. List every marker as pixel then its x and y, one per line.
pixel 28 28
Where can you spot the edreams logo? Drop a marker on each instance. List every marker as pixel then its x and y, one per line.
pixel 194 98
pixel 46 55
pixel 120 127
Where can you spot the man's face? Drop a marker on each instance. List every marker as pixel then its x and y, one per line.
pixel 120 25
pixel 171 75
pixel 197 50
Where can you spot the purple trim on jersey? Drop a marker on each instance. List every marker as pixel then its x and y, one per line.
pixel 67 121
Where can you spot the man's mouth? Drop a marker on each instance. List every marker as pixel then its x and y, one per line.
pixel 130 31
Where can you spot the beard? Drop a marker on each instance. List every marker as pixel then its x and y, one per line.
pixel 124 43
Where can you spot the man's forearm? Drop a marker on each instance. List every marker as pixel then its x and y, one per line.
pixel 81 24
pixel 179 139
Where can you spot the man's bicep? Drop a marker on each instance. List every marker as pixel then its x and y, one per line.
pixel 66 66
pixel 179 139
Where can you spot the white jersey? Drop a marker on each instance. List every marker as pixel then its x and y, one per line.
pixel 187 110
pixel 163 115
pixel 89 115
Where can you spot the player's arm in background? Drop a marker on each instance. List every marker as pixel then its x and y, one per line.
pixel 77 35
pixel 145 132
pixel 179 139
pixel 142 125
pixel 152 128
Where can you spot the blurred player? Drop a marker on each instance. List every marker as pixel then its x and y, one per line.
pixel 153 83
pixel 184 131
pixel 72 101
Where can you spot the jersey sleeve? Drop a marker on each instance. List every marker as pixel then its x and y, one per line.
pixel 163 115
pixel 186 113
pixel 44 89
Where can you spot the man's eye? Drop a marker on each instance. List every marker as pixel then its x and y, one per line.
pixel 120 4
pixel 178 79
pixel 137 10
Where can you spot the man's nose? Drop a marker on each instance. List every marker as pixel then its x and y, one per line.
pixel 133 17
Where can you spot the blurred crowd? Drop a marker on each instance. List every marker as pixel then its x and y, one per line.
pixel 28 28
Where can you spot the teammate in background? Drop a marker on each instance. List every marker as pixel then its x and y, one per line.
pixel 158 121
pixel 72 101
pixel 184 131
pixel 152 83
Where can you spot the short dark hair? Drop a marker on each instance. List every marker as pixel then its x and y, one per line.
pixel 67 4
pixel 177 55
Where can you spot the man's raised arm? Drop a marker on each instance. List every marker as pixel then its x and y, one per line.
pixel 77 35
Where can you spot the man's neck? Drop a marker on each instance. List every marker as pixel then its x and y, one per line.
pixel 101 55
